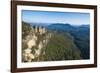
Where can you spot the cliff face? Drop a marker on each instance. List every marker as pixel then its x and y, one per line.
pixel 35 42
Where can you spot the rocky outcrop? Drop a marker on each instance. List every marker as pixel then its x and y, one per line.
pixel 35 41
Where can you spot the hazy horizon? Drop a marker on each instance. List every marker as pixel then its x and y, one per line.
pixel 73 18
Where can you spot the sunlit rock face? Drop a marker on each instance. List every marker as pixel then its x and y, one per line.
pixel 32 42
pixel 28 56
pixel 36 42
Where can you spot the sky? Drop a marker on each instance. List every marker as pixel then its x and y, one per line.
pixel 74 18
